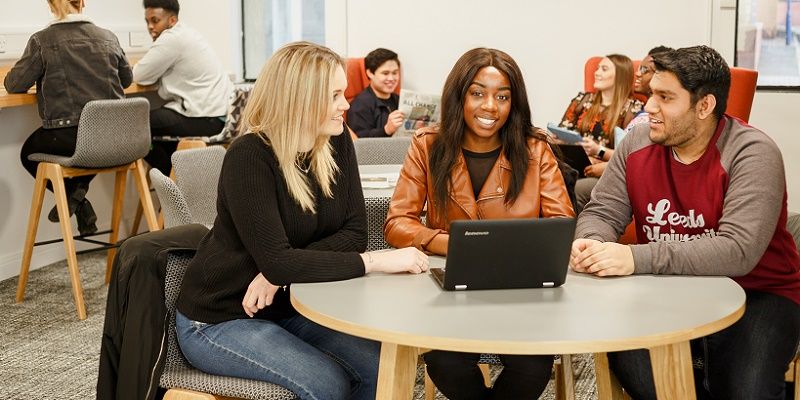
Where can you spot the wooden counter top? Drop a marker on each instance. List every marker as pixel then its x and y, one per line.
pixel 21 99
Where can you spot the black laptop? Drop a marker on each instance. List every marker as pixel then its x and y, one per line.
pixel 575 156
pixel 506 254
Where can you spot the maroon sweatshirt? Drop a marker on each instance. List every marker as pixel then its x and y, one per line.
pixel 724 214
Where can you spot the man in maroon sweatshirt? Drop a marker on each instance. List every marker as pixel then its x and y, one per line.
pixel 708 194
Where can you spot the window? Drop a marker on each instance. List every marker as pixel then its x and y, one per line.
pixel 767 40
pixel 269 24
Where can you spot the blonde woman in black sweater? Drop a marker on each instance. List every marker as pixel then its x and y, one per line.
pixel 290 209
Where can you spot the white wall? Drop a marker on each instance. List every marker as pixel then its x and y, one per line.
pixel 20 19
pixel 549 40
pixel 218 20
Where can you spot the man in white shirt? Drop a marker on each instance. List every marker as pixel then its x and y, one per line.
pixel 190 78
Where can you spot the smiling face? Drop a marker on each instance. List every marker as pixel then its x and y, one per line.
pixel 643 75
pixel 486 108
pixel 334 118
pixel 673 117
pixel 604 75
pixel 385 78
pixel 158 20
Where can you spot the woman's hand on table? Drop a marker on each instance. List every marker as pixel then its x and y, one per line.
pixel 408 259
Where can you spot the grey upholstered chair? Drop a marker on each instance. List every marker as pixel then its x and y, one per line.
pixel 173 204
pixel 197 174
pixel 184 381
pixel 377 208
pixel 113 136
pixel 192 197
pixel 376 151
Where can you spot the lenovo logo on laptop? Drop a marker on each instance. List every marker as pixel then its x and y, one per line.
pixel 474 233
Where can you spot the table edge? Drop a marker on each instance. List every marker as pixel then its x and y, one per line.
pixel 513 347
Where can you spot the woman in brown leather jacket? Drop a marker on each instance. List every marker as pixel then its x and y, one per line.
pixel 485 160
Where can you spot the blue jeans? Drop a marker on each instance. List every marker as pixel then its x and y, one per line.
pixel 311 360
pixel 744 361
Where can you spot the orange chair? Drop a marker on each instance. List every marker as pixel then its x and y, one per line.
pixel 588 75
pixel 357 79
pixel 741 93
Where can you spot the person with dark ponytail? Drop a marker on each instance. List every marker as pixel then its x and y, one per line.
pixel 72 61
pixel 485 160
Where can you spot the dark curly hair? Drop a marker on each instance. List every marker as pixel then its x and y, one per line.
pixel 171 6
pixel 701 71
pixel 377 57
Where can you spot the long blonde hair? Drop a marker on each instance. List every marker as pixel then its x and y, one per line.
pixel 287 107
pixel 623 86
pixel 62 8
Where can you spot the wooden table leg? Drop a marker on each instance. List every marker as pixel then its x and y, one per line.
pixel 608 388
pixel 397 371
pixel 672 371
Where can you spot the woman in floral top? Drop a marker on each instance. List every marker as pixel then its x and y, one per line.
pixel 595 115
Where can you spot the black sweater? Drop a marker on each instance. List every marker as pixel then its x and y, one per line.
pixel 260 228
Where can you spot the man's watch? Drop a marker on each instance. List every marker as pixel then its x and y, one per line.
pixel 601 153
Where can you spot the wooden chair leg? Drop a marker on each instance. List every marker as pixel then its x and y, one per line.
pixel 796 379
pixel 185 144
pixel 186 394
pixel 144 195
pixel 608 388
pixel 487 378
pixel 137 219
pixel 565 380
pixel 33 226
pixel 430 388
pixel 56 177
pixel 116 215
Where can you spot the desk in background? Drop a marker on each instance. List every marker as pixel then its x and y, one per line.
pixel 586 315
pixel 21 99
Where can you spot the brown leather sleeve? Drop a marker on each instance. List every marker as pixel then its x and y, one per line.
pixel 552 190
pixel 403 227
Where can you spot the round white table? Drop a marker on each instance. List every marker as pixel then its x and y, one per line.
pixel 586 315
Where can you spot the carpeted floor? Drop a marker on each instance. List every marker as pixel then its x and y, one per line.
pixel 47 353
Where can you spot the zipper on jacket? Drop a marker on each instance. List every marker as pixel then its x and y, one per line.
pixel 160 354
